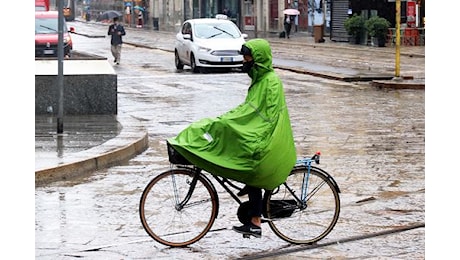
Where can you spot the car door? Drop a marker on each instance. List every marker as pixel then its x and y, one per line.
pixel 183 47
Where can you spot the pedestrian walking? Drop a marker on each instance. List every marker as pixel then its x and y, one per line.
pixel 140 19
pixel 287 25
pixel 117 31
pixel 227 12
pixel 252 143
pixel 128 14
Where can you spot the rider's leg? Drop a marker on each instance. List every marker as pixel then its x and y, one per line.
pixel 255 201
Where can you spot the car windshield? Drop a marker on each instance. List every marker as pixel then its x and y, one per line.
pixel 47 26
pixel 216 30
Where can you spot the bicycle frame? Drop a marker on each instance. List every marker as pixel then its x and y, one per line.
pixel 302 201
pixel 226 183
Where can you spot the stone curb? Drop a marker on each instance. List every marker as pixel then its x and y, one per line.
pixel 132 140
pixel 399 84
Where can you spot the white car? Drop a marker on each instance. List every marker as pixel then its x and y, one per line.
pixel 209 43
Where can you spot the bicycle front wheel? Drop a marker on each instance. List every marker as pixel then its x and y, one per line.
pixel 168 221
pixel 304 220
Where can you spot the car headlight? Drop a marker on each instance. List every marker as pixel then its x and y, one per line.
pixel 204 49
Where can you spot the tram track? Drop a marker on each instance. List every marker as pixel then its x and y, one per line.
pixel 299 248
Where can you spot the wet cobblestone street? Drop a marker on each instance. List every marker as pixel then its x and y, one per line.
pixel 372 142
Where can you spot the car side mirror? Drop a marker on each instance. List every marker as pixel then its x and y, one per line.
pixel 187 37
pixel 245 35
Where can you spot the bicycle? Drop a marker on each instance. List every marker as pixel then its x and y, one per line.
pixel 179 206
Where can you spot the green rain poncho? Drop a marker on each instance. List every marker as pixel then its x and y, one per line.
pixel 251 143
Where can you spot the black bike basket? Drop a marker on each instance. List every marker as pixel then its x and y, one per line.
pixel 175 157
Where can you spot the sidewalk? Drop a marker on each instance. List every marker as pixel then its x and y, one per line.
pixel 88 143
pixel 149 39
pixel 109 140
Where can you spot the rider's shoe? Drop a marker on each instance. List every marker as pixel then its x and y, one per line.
pixel 249 229
pixel 243 191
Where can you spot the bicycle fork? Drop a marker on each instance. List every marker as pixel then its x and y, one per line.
pixel 181 204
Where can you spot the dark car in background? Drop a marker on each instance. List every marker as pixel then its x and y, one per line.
pixel 47 34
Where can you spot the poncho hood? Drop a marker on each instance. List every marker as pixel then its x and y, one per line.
pixel 262 55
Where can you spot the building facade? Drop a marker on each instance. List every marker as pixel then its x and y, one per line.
pixel 265 16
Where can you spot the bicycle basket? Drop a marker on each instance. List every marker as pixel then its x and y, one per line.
pixel 282 208
pixel 175 157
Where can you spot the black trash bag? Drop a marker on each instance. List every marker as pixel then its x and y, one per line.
pixel 282 208
pixel 278 209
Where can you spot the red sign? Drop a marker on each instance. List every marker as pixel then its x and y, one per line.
pixel 249 20
pixel 410 14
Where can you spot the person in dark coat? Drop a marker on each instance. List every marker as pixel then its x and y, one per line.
pixel 287 25
pixel 117 31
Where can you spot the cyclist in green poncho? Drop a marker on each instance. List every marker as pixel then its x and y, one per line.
pixel 252 143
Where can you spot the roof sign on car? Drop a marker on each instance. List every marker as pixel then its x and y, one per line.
pixel 221 16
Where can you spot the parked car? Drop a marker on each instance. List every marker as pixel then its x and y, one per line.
pixel 42 5
pixel 209 43
pixel 46 35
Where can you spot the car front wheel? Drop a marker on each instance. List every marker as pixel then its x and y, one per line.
pixel 195 69
pixel 179 64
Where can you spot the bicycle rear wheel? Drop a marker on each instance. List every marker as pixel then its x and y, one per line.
pixel 165 220
pixel 308 222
